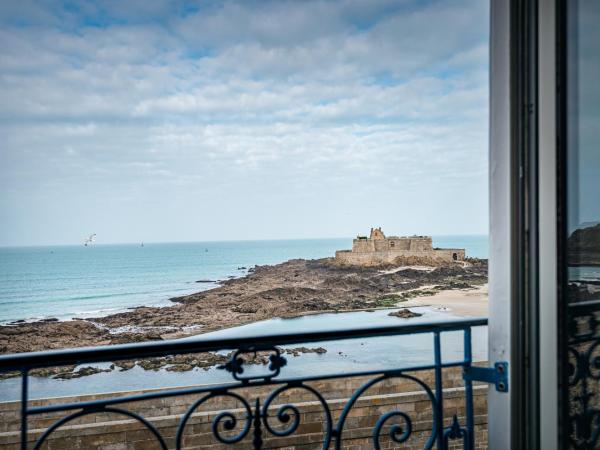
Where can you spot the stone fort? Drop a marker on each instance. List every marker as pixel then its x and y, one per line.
pixel 381 249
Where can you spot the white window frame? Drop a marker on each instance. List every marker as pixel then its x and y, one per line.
pixel 501 276
pixel 500 255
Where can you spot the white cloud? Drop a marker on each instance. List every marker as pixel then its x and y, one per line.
pixel 384 102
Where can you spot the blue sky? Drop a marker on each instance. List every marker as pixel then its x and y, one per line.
pixel 188 121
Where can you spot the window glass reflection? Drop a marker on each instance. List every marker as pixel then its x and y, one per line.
pixel 583 223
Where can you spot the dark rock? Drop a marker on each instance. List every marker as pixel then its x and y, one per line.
pixel 152 364
pixel 180 368
pixel 83 372
pixel 125 338
pixel 297 350
pixel 51 371
pixel 246 308
pixel 124 365
pixel 7 375
pixel 404 314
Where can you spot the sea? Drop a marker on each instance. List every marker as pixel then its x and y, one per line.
pixel 75 281
pixel 65 282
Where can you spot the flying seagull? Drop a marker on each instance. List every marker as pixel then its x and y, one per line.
pixel 89 239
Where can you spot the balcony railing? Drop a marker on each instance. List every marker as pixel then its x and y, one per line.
pixel 254 421
pixel 583 353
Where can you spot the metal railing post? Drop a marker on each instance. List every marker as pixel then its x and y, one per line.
pixel 439 390
pixel 24 382
pixel 469 391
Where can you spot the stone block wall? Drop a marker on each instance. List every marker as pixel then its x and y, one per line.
pixel 448 254
pixel 414 244
pixel 391 256
pixel 104 431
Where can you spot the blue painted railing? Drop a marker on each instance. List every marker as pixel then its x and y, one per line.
pixel 256 424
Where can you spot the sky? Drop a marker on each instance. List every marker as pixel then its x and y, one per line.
pixel 163 121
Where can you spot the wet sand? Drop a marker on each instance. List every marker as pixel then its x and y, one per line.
pixel 471 302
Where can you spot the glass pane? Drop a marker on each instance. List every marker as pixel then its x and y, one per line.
pixel 583 224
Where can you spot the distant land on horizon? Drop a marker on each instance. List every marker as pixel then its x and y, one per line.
pixel 150 242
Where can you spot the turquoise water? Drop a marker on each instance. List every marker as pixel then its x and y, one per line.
pixel 77 281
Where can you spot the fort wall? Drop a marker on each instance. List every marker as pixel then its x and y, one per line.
pixel 391 256
pixel 378 249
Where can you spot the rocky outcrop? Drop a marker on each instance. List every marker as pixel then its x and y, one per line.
pixel 405 313
pixel 584 246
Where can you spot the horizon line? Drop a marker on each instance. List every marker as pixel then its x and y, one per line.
pixel 210 241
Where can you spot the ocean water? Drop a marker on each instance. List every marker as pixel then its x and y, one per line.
pixel 584 273
pixel 77 281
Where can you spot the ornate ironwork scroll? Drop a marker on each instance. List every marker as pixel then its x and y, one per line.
pixel 584 375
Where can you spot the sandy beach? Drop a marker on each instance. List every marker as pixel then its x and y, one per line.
pixel 472 302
